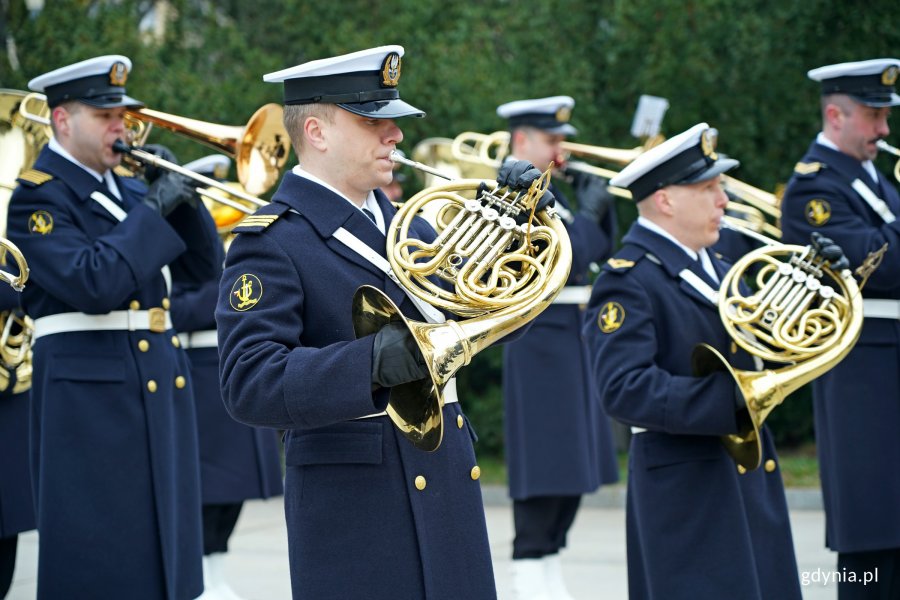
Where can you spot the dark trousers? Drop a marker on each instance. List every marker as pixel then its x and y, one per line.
pixel 541 524
pixel 7 562
pixel 858 564
pixel 218 524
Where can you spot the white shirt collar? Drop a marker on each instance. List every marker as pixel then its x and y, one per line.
pixel 703 256
pixel 867 164
pixel 105 177
pixel 370 202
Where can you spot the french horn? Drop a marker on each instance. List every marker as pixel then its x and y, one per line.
pixel 802 314
pixel 883 145
pixel 497 273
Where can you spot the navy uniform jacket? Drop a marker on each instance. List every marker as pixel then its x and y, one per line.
pixel 114 458
pixel 237 462
pixel 857 403
pixel 696 527
pixel 16 500
pixel 558 439
pixel 359 526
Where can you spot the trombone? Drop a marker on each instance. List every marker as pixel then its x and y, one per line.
pixel 260 148
pixel 151 159
pixel 883 145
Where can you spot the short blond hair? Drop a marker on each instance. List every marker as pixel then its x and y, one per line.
pixel 295 116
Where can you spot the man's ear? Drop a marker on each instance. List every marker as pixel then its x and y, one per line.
pixel 834 116
pixel 314 130
pixel 662 201
pixel 61 121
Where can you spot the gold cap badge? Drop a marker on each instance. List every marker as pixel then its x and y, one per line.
pixel 611 317
pixel 118 74
pixel 390 70
pixel 708 141
pixel 889 76
pixel 246 292
pixel 564 114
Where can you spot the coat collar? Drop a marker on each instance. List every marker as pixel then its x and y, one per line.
pixel 327 212
pixel 845 165
pixel 673 260
pixel 82 183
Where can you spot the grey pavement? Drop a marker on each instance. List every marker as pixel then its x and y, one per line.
pixel 593 564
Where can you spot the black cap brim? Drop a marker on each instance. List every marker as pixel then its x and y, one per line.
pixel 112 101
pixel 722 165
pixel 564 129
pixel 880 103
pixel 383 109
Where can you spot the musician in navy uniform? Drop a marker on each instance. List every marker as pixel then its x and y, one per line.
pixel 836 190
pixel 16 501
pixel 369 515
pixel 237 462
pixel 696 525
pixel 558 440
pixel 113 427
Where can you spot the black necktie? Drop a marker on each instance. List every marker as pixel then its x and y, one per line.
pixel 370 215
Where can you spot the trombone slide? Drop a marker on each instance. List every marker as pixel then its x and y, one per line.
pixel 152 159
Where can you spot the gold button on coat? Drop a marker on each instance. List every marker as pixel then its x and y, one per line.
pixel 476 472
pixel 151 386
pixel 135 305
pixel 143 345
pixel 770 465
pixel 420 483
pixel 459 421
pixel 180 382
pixel 166 303
pixel 176 341
pixel 741 469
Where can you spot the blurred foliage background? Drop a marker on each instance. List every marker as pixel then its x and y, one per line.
pixel 739 65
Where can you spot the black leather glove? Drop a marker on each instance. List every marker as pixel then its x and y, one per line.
pixel 517 174
pixel 170 190
pixel 395 357
pixel 152 173
pixel 594 197
pixel 830 251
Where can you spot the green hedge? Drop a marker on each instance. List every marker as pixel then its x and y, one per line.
pixel 738 65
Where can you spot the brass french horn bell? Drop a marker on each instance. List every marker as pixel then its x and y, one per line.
pixel 500 275
pixel 803 314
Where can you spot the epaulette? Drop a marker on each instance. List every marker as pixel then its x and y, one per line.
pixel 34 178
pixel 808 170
pixel 626 258
pixel 261 219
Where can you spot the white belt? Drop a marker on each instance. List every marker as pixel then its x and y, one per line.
pixel 155 319
pixel 635 430
pixel 449 398
pixel 199 339
pixel 878 308
pixel 574 294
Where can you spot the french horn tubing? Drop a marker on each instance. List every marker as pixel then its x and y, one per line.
pixel 883 145
pixel 802 314
pixel 497 273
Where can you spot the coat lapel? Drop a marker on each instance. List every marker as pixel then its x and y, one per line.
pixel 82 183
pixel 672 259
pixel 327 212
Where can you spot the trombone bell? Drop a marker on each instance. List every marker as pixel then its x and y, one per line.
pixel 260 149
